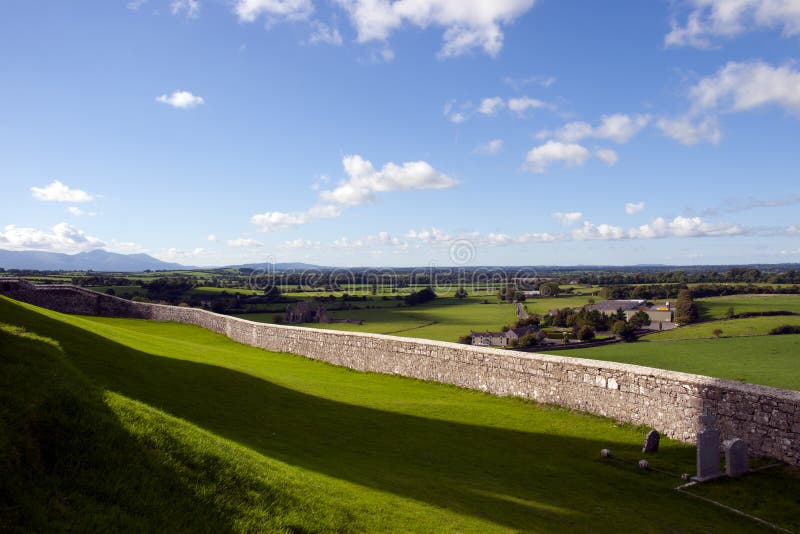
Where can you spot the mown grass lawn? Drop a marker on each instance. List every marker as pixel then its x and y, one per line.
pixel 320 448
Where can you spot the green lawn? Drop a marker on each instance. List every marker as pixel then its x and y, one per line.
pixel 271 441
pixel 750 326
pixel 768 360
pixel 717 307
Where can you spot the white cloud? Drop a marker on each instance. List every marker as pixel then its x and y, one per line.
pixel 125 247
pixel 617 127
pixel 607 156
pixel 61 238
pixel 322 33
pixel 490 106
pixel 245 242
pixel 364 181
pixel 729 18
pixel 59 192
pixel 687 132
pixel 518 83
pixel 745 86
pixel 213 238
pixel 300 244
pixel 567 219
pixel 632 208
pixel 134 5
pixel 542 156
pixel 181 100
pixel 590 231
pixel 250 10
pixel 75 210
pixel 457 118
pixel 468 24
pixel 490 147
pixel 522 104
pixel 191 8
pixel 432 236
pixel 684 227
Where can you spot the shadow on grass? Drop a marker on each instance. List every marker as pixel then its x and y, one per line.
pixel 517 479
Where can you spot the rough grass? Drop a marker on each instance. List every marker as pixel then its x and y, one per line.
pixel 270 441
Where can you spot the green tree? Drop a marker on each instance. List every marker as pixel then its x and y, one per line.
pixel 586 333
pixel 640 319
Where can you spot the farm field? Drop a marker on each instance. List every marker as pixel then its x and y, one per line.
pixel 750 326
pixel 717 307
pixel 444 319
pixel 269 441
pixel 767 360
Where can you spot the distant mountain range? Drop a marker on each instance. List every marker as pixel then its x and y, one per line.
pixel 96 260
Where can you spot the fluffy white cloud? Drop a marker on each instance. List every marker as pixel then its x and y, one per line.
pixel 61 238
pixel 213 238
pixel 361 187
pixel 250 10
pixel 59 192
pixel 457 118
pixel 322 33
pixel 745 86
pixel 542 156
pixel 567 219
pixel 688 132
pixel 181 100
pixel 432 236
pixel 632 208
pixel 522 104
pixel 191 8
pixel 490 106
pixel 607 156
pixel 618 127
pixel 591 231
pixel 685 227
pixel 468 24
pixel 245 242
pixel 728 18
pixel 364 180
pixel 300 244
pixel 490 147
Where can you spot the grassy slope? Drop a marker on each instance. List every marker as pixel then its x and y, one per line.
pixel 717 307
pixel 395 453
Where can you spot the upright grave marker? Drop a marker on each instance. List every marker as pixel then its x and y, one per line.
pixel 708 448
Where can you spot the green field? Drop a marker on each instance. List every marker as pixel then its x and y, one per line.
pixel 751 326
pixel 717 307
pixel 276 442
pixel 767 360
pixel 444 319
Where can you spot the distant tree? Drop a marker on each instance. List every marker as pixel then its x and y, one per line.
pixel 565 338
pixel 460 293
pixel 640 319
pixel 717 332
pixel 529 340
pixel 466 340
pixel 685 309
pixel 729 314
pixel 625 331
pixel 549 289
pixel 586 333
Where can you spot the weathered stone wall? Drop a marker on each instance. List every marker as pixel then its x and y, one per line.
pixel 767 418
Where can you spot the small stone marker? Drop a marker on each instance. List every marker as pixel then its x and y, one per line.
pixel 651 441
pixel 644 464
pixel 708 448
pixel 736 462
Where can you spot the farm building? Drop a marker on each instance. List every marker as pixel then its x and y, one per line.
pixel 501 339
pixel 661 315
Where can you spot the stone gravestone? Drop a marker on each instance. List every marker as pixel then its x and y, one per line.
pixel 708 449
pixel 651 441
pixel 736 462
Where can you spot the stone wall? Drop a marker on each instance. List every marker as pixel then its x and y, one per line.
pixel 671 402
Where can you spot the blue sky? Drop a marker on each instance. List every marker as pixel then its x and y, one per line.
pixel 369 132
